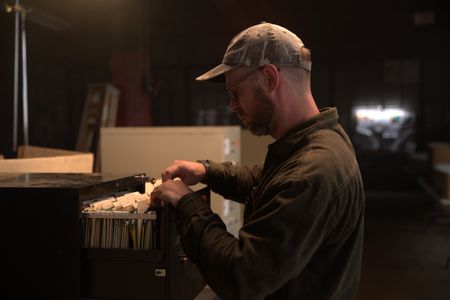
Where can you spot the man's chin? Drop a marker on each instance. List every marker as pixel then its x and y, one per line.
pixel 256 133
pixel 255 130
pixel 245 121
pixel 259 131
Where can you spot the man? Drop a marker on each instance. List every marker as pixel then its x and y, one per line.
pixel 303 224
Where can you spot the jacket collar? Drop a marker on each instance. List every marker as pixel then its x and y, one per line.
pixel 327 118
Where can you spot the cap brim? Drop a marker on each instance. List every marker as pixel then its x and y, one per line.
pixel 216 74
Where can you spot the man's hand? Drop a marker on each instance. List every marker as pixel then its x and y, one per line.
pixel 190 172
pixel 171 191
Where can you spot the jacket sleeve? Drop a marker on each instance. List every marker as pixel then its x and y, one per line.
pixel 231 181
pixel 272 248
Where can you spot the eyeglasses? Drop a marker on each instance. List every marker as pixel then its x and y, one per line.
pixel 234 99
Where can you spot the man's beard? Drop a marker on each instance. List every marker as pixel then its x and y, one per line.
pixel 262 119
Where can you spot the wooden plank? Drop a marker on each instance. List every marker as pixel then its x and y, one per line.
pixel 35 151
pixel 76 163
pixel 100 110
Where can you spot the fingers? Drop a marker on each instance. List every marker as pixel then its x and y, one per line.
pixel 155 201
pixel 170 172
pixel 169 192
pixel 173 171
pixel 190 172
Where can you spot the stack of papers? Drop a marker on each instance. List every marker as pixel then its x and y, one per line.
pixel 122 221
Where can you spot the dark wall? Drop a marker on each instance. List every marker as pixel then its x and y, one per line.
pixel 61 63
pixel 363 53
pixel 6 85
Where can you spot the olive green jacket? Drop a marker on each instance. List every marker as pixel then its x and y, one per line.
pixel 303 230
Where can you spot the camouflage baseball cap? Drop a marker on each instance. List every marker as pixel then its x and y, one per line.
pixel 257 46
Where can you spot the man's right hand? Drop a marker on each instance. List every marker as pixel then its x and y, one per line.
pixel 190 172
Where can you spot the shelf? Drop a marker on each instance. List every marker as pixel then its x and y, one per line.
pixel 123 254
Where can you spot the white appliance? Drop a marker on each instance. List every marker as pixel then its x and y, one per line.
pixel 152 149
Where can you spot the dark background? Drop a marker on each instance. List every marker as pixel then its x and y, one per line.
pixel 364 53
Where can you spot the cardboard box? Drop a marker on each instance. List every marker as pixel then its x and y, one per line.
pixel 446 205
pixel 32 159
pixel 442 179
pixel 439 152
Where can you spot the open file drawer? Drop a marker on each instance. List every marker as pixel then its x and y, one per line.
pixel 162 272
pixel 44 252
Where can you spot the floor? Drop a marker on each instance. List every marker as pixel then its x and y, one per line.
pixel 404 255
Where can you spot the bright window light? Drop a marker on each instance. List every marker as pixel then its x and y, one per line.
pixel 383 128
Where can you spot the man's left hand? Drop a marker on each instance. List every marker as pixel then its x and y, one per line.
pixel 171 191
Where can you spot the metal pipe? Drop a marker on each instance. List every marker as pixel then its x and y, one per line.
pixel 24 81
pixel 16 77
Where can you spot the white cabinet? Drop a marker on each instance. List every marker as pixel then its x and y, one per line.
pixel 254 148
pixel 152 149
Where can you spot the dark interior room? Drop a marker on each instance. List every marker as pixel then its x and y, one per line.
pixel 384 65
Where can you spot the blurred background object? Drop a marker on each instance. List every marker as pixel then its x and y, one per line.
pixel 384 64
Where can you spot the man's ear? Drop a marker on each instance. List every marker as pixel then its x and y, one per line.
pixel 271 77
